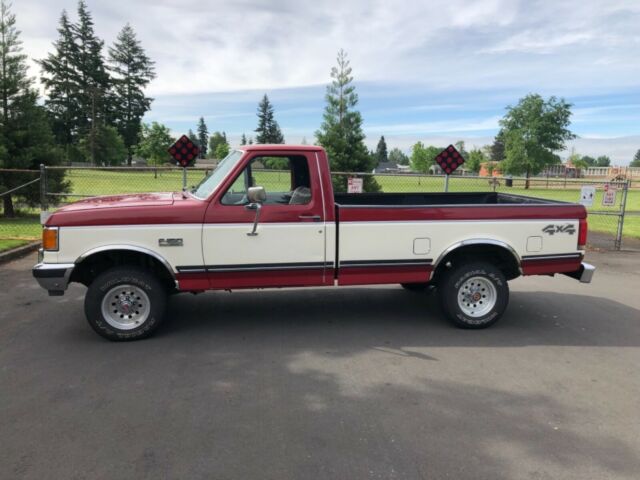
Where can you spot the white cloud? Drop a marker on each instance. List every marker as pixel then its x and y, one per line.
pixel 266 44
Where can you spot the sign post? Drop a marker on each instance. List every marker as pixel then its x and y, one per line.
pixel 449 160
pixel 184 152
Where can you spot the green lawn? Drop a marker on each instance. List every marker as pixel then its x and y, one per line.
pixel 102 182
pixel 9 244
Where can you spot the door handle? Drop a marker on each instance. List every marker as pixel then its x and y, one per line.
pixel 315 218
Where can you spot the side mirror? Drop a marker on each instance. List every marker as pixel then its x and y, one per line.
pixel 256 194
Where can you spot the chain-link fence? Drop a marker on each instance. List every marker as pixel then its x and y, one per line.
pixel 615 208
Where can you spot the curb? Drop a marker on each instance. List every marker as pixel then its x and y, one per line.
pixel 18 252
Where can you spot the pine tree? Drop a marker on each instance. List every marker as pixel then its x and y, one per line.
pixel 93 77
pixel 243 139
pixel 381 152
pixel 636 160
pixel 203 136
pixel 193 137
pixel 132 70
pixel 60 83
pixel 341 131
pixel 25 134
pixel 268 130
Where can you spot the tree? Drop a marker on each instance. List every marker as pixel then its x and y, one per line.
pixel 398 157
pixel 497 149
pixel 533 131
pixel 475 159
pixel 60 82
pixel 26 140
pixel 132 70
pixel 341 131
pixel 423 157
pixel 110 148
pixel 203 136
pixel 154 142
pixel 222 150
pixel 268 130
pixel 243 139
pixel 94 81
pixel 603 161
pixel 215 140
pixel 193 137
pixel 588 161
pixel 381 154
pixel 636 160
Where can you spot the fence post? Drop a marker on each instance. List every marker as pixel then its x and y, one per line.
pixel 623 207
pixel 43 188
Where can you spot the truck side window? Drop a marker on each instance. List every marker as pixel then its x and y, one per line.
pixel 286 180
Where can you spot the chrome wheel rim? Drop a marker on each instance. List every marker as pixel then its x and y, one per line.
pixel 126 307
pixel 477 296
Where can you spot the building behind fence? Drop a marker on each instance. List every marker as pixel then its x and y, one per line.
pixel 88 182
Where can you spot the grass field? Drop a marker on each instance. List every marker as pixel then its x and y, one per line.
pixel 101 182
pixel 9 244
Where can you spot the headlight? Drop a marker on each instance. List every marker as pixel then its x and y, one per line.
pixel 50 239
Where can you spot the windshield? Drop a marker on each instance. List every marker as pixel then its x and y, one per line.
pixel 211 182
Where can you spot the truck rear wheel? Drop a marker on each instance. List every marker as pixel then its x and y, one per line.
pixel 474 295
pixel 125 303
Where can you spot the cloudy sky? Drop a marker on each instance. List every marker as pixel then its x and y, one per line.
pixel 431 70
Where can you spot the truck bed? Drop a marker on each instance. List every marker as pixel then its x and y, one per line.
pixel 427 199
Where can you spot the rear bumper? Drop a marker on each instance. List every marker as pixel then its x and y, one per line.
pixel 53 277
pixel 584 273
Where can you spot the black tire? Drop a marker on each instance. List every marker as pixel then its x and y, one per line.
pixel 139 280
pixel 465 284
pixel 415 287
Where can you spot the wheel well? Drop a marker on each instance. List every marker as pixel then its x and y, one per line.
pixel 498 256
pixel 92 266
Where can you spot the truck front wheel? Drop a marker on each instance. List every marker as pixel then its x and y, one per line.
pixel 125 303
pixel 474 295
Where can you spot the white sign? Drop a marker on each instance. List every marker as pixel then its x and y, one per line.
pixel 609 197
pixel 587 194
pixel 354 185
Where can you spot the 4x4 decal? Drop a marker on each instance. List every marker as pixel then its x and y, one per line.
pixel 553 229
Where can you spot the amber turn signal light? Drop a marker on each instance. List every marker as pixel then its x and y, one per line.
pixel 50 238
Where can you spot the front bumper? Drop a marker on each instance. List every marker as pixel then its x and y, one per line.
pixel 53 277
pixel 584 273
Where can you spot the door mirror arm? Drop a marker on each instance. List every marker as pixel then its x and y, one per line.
pixel 257 207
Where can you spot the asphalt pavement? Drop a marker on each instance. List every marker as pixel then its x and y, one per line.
pixel 352 383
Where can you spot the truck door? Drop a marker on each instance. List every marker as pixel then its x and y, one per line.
pixel 287 246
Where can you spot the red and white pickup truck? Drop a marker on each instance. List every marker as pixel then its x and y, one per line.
pixel 247 227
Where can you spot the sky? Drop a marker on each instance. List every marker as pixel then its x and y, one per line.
pixel 432 70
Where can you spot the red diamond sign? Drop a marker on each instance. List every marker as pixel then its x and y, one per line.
pixel 184 151
pixel 449 159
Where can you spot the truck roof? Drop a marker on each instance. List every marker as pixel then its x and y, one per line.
pixel 279 147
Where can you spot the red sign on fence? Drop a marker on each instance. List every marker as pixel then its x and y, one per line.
pixel 449 159
pixel 184 151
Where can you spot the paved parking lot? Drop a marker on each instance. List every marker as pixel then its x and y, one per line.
pixel 338 383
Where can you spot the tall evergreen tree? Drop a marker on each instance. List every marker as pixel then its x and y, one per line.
pixel 93 77
pixel 25 134
pixel 636 160
pixel 193 137
pixel 203 137
pixel 132 70
pixel 243 139
pixel 341 131
pixel 497 149
pixel 381 152
pixel 268 130
pixel 61 84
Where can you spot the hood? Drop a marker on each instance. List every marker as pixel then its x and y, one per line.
pixel 120 201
